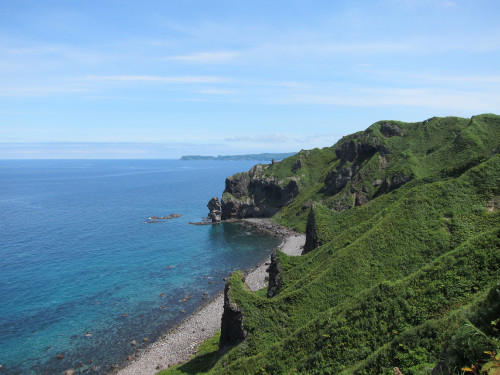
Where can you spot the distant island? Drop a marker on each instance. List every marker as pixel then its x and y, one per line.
pixel 257 157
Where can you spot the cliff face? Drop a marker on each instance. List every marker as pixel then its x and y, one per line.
pixel 359 168
pixel 252 194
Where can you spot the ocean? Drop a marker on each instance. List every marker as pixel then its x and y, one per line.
pixel 83 273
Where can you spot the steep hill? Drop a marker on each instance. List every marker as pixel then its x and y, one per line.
pixel 402 258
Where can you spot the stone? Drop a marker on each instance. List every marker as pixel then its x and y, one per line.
pixel 297 165
pixel 232 331
pixel 60 356
pixel 274 276
pixel 69 372
pixel 251 194
pixel 391 130
pixel 133 343
pixel 214 210
pixel 312 239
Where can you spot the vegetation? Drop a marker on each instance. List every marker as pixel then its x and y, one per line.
pixel 407 268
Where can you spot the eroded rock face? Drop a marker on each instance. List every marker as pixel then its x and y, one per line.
pixel 358 147
pixel 274 276
pixel 232 332
pixel 312 240
pixel 391 130
pixel 214 210
pixel 251 194
pixel 336 180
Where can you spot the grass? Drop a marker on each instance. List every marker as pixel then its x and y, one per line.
pixel 406 278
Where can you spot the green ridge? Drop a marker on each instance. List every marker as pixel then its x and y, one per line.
pixel 406 276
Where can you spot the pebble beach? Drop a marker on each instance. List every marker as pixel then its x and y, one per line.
pixel 181 342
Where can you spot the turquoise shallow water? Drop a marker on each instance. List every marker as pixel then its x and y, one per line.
pixel 83 274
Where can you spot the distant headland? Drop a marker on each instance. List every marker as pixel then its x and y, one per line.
pixel 256 157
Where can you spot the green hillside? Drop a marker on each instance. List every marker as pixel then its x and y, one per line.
pixel 402 259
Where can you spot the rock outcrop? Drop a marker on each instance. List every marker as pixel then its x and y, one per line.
pixel 252 194
pixel 274 276
pixel 232 332
pixel 389 130
pixel 312 240
pixel 214 210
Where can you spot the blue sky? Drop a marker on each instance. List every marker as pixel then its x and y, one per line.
pixel 161 79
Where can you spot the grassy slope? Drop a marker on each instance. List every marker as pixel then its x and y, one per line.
pixel 401 272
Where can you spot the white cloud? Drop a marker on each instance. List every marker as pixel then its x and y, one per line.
pixel 390 97
pixel 161 79
pixel 218 92
pixel 262 138
pixel 206 57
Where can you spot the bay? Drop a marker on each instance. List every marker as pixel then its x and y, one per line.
pixel 83 273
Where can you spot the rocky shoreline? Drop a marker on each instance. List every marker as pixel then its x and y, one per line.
pixel 181 342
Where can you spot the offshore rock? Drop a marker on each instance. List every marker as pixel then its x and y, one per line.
pixel 214 210
pixel 232 332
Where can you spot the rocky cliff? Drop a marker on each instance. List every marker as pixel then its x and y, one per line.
pixel 254 194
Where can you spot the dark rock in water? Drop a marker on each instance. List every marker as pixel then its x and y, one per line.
pixel 214 210
pixel 232 331
pixel 175 215
pixel 133 343
pixel 60 356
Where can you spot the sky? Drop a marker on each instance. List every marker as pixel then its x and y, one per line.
pixel 161 79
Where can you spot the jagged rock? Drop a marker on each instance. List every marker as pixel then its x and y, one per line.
pixel 360 199
pixel 354 148
pixel 395 181
pixel 274 270
pixel 232 332
pixel 213 204
pixel 336 180
pixel 297 165
pixel 312 240
pixel 391 130
pixel 214 208
pixel 251 194
pixel 237 185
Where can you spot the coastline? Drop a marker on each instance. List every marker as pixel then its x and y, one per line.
pixel 181 342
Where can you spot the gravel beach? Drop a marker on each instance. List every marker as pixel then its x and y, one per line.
pixel 181 342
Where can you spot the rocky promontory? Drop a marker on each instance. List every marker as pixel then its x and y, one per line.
pixel 255 194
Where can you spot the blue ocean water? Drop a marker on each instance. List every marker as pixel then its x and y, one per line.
pixel 81 272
